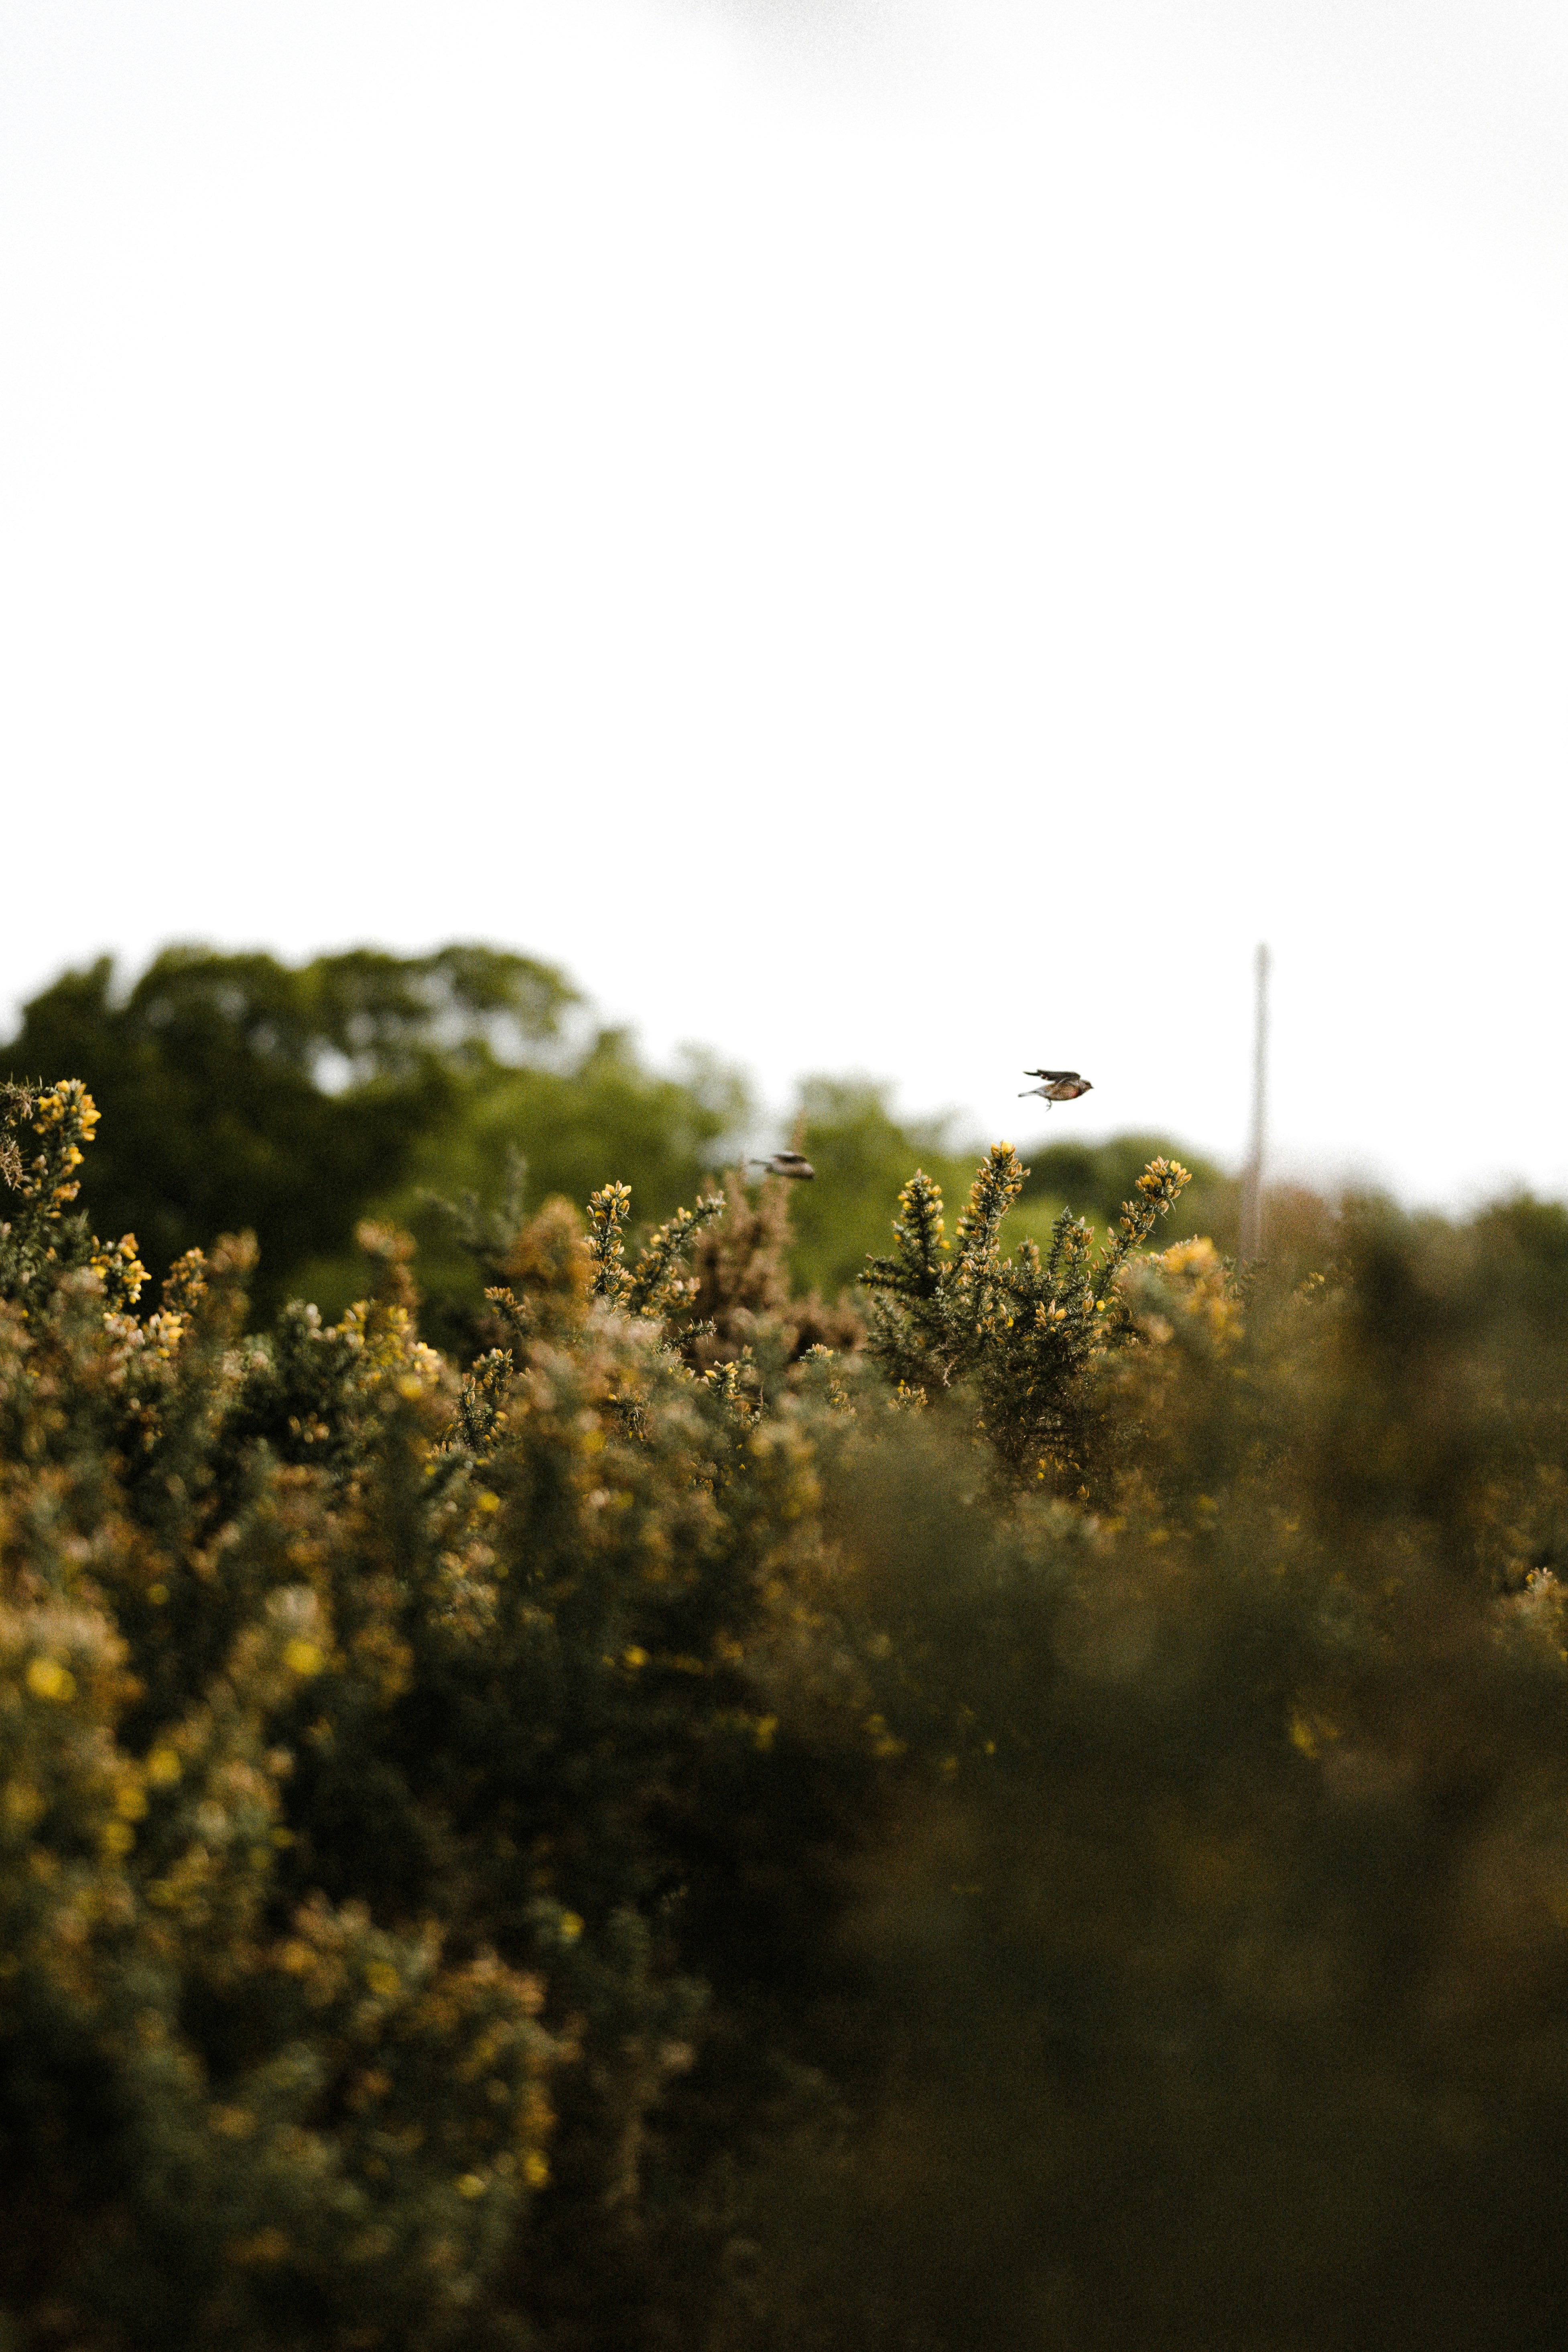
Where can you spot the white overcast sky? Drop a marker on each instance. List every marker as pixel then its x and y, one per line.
pixel 886 534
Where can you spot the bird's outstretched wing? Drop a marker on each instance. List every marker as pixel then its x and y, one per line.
pixel 1052 1075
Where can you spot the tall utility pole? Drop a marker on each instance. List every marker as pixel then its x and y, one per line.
pixel 1252 1178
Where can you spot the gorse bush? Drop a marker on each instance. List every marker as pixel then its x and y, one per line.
pixel 1022 1331
pixel 351 1773
pixel 681 1829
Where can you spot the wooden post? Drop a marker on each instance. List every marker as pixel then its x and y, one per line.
pixel 1252 1178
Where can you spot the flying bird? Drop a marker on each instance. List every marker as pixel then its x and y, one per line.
pixel 1061 1085
pixel 786 1163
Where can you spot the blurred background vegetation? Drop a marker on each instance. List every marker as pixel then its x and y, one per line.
pixel 240 1092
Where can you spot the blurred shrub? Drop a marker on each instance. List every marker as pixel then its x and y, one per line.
pixel 1221 1950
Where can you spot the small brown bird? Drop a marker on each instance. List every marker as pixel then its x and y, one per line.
pixel 1061 1085
pixel 787 1163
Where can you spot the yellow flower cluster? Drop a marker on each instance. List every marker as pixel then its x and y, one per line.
pixel 64 1118
pixel 121 1270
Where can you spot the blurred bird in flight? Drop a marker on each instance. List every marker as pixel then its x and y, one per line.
pixel 786 1163
pixel 1061 1085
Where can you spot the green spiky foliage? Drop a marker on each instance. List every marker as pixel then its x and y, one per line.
pixel 1022 1334
pixel 657 1287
